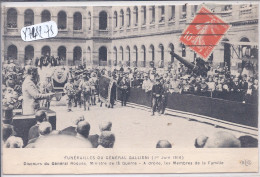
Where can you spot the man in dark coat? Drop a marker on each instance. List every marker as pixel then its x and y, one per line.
pixel 40 116
pixel 157 91
pixel 124 86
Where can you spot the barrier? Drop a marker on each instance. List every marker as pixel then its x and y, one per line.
pixel 231 111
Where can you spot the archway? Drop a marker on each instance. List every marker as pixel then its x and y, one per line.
pixel 62 20
pixel 28 17
pixel 171 51
pixel 12 18
pixel 103 20
pixel 46 16
pixel 77 55
pixel 12 52
pixel 227 52
pixel 29 52
pixel 46 50
pixel 77 21
pixel 102 56
pixel 161 52
pixel 62 52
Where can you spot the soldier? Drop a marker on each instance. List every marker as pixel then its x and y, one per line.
pixel 124 87
pixel 46 87
pixel 85 92
pixel 156 95
pixel 236 90
pixel 77 98
pixel 164 101
pixel 204 87
pixel 94 87
pixel 69 90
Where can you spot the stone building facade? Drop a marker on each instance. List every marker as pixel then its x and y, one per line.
pixel 129 35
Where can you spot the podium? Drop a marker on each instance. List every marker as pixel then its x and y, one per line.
pixel 23 123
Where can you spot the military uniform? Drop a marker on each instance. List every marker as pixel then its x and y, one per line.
pixel 157 91
pixel 86 93
pixel 94 87
pixel 124 86
pixel 69 90
pixel 77 97
pixel 164 100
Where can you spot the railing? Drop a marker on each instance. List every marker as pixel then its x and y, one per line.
pixel 235 112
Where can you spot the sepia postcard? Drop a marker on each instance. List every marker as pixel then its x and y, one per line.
pixel 129 87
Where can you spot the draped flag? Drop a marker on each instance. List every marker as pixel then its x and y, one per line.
pixel 106 89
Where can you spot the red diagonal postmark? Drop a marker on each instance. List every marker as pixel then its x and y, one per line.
pixel 204 32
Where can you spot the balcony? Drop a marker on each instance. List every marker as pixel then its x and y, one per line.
pixel 102 33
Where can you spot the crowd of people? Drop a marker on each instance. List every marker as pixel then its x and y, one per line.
pixel 41 135
pixel 83 90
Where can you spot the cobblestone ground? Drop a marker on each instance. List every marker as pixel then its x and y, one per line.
pixel 136 128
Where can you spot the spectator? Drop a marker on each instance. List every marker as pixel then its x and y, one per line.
pixel 105 126
pixel 8 130
pixel 163 144
pixel 200 141
pixel 219 139
pixel 106 140
pixel 83 129
pixel 40 116
pixel 71 130
pixel 14 142
pixel 45 129
pixel 248 142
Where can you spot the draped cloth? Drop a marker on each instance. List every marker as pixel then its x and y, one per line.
pixel 106 89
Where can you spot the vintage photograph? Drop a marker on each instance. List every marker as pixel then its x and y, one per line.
pixel 173 75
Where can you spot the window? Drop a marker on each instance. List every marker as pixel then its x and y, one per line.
pixel 62 52
pixel 115 20
pixel 151 51
pixel 121 52
pixel 143 52
pixel 28 17
pixel 136 56
pixel 128 55
pixel 171 51
pixel 161 50
pixel 195 8
pixel 89 56
pixel 115 56
pixel 152 14
pixel 184 11
pixel 89 21
pixel 12 52
pixel 162 14
pixel 46 16
pixel 135 16
pixel 103 20
pixel 143 11
pixel 62 20
pixel 128 17
pixel 46 51
pixel 183 50
pixel 12 18
pixel 77 54
pixel 77 21
pixel 121 18
pixel 29 52
pixel 172 13
pixel 102 56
